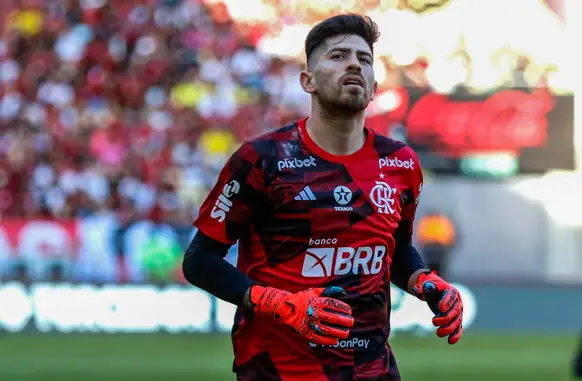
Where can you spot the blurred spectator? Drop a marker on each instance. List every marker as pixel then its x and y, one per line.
pixel 20 273
pixel 437 237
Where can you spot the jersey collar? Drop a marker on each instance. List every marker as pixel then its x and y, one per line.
pixel 342 159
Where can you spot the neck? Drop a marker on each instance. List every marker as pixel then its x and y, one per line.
pixel 337 134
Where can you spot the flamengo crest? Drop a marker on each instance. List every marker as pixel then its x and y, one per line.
pixel 382 196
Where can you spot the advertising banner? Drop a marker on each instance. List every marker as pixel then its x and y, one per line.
pixel 503 133
pixel 38 243
pixel 68 308
pixel 90 297
pixel 94 249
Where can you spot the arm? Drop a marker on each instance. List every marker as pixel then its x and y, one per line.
pixel 409 272
pixel 407 263
pixel 228 212
pixel 204 266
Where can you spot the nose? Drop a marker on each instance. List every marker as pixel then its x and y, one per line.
pixel 354 65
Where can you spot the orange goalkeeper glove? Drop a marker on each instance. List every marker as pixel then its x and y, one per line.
pixel 445 302
pixel 314 313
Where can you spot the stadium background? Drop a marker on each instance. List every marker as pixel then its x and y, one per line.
pixel 116 115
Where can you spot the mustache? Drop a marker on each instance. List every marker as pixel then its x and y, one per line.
pixel 353 77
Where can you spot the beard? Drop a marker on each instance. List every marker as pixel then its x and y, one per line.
pixel 343 101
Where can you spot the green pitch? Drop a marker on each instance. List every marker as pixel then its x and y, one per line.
pixel 48 357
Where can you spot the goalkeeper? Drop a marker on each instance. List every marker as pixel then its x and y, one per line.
pixel 323 210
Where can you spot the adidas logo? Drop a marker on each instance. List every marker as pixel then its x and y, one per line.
pixel 305 194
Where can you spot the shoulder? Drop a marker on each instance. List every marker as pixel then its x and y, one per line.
pixel 286 133
pixel 387 147
pixel 264 150
pixel 266 147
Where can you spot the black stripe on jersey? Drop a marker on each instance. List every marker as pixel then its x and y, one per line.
pixel 344 373
pixel 385 146
pixel 244 170
pixel 260 367
pixel 348 281
pixel 289 227
pixel 407 197
pixel 362 208
pixel 288 237
pixel 267 148
pixel 362 212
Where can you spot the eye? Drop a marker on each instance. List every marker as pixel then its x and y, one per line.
pixel 366 60
pixel 337 56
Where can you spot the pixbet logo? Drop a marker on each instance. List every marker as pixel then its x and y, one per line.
pixel 295 163
pixel 396 163
pixel 327 261
pixel 223 203
pixel 349 344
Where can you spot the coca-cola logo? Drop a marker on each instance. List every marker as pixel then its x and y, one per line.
pixel 508 120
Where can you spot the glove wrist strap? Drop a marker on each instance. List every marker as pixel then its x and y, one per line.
pixel 265 299
pixel 422 277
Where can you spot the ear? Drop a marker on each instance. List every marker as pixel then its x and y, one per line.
pixel 307 81
pixel 374 90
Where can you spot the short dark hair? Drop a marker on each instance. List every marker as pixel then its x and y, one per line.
pixel 350 23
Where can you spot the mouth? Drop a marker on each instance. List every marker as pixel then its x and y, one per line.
pixel 353 81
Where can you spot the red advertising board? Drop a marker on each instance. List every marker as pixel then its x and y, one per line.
pixel 535 128
pixel 38 238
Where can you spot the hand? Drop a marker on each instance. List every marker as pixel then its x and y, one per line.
pixel 445 302
pixel 314 313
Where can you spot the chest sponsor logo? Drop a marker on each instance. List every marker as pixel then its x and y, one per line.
pixel 342 196
pixel 223 203
pixel 387 162
pixel 296 163
pixel 345 344
pixel 323 262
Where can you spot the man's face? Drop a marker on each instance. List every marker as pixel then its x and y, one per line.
pixel 342 74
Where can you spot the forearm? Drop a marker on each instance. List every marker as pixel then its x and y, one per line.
pixel 205 267
pixel 407 265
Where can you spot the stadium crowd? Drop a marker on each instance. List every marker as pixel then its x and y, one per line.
pixel 132 106
pixel 126 106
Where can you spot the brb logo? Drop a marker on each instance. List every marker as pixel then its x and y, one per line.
pixel 322 262
pixel 396 163
pixel 382 196
pixel 223 203
pixel 294 163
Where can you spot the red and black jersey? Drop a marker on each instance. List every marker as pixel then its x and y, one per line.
pixel 307 218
